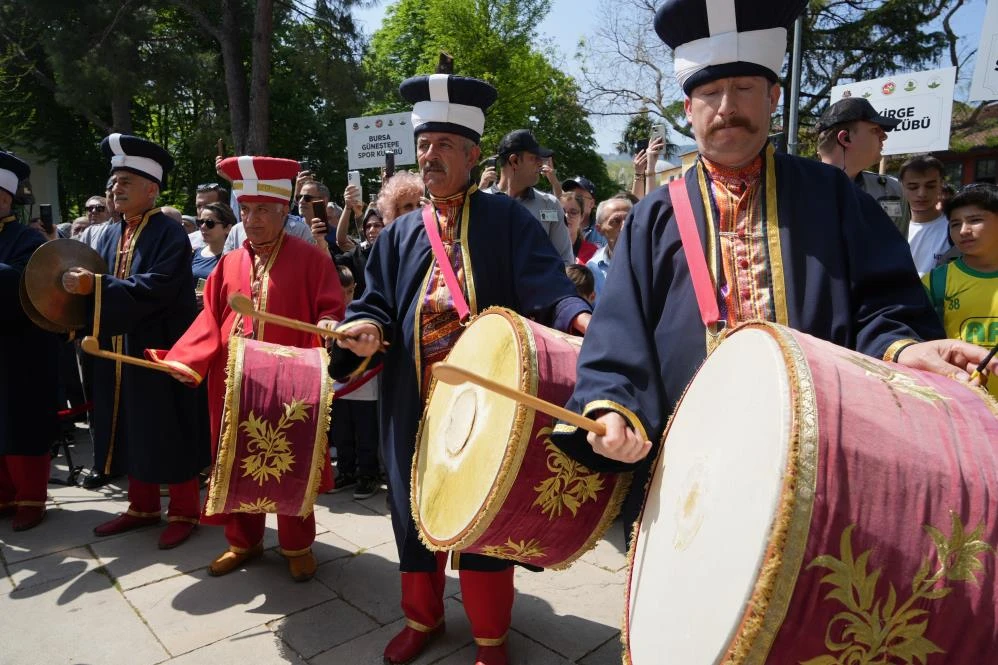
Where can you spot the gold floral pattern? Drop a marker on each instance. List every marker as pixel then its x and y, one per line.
pixel 875 630
pixel 271 455
pixel 571 485
pixel 520 551
pixel 897 382
pixel 261 505
pixel 281 351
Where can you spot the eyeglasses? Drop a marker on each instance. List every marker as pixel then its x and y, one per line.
pixel 209 187
pixel 96 208
pixel 308 198
pixel 572 213
pixel 209 223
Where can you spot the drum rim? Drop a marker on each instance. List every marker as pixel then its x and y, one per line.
pixel 775 583
pixel 516 444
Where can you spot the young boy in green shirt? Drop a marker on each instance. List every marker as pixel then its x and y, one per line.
pixel 965 291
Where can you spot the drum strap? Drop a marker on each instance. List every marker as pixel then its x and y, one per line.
pixel 440 254
pixel 703 286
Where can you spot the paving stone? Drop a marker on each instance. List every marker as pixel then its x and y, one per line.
pixel 66 525
pixel 520 649
pixel 190 611
pixel 134 559
pixel 571 611
pixel 43 625
pixel 369 647
pixel 66 566
pixel 610 653
pixel 322 627
pixel 256 646
pixel 356 524
pixel 371 582
pixel 609 553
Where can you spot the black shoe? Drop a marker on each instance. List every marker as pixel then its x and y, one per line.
pixel 366 488
pixel 96 479
pixel 343 481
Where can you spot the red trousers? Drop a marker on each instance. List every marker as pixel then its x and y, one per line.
pixel 295 534
pixel 487 597
pixel 23 480
pixel 185 500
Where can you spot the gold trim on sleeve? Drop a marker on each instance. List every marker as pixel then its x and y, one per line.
pixel 98 303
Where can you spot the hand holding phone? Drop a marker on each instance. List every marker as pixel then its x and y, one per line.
pixel 319 212
pixel 45 214
pixel 353 178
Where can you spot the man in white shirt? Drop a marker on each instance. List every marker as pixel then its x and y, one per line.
pixel 610 217
pixel 928 233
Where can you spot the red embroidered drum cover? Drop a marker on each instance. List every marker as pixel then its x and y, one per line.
pixel 813 505
pixel 486 477
pixel 273 446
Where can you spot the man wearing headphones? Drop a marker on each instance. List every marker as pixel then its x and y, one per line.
pixel 851 135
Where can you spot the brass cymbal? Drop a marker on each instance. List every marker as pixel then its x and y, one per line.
pixel 33 313
pixel 43 280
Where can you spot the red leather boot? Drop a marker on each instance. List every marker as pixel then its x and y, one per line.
pixel 488 602
pixel 423 606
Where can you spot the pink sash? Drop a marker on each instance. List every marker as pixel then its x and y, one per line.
pixel 440 254
pixel 703 286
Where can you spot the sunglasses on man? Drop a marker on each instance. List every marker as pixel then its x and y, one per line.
pixel 96 208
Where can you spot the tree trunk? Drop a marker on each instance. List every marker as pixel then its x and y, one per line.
pixel 235 77
pixel 259 101
pixel 121 113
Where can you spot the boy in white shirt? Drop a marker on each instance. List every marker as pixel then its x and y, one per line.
pixel 928 233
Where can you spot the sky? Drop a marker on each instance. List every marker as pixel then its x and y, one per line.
pixel 570 20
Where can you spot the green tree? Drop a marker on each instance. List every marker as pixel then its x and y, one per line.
pixel 491 40
pixel 626 67
pixel 66 67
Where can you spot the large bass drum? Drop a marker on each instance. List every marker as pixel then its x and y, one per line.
pixel 813 505
pixel 486 477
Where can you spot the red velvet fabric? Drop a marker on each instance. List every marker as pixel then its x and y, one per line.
pixel 302 284
pixel 23 478
pixel 906 459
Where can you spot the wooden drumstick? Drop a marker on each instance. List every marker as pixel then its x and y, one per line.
pixel 455 375
pixel 244 306
pixel 92 346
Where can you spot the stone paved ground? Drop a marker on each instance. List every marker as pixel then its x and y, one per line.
pixel 68 597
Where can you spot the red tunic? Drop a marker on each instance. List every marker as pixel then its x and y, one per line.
pixel 298 281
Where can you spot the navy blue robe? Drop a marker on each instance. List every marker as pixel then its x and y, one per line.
pixel 849 279
pixel 513 265
pixel 29 356
pixel 148 423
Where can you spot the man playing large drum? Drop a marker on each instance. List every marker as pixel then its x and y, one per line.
pixel 487 250
pixel 786 239
pixel 283 275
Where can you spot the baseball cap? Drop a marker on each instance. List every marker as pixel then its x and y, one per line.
pixel 851 109
pixel 521 140
pixel 578 182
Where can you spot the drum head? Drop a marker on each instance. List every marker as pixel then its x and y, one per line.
pixel 703 536
pixel 467 430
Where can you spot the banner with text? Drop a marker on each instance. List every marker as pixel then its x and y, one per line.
pixel 369 138
pixel 984 86
pixel 922 101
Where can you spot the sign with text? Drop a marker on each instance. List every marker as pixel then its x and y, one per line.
pixel 984 86
pixel 369 138
pixel 922 101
